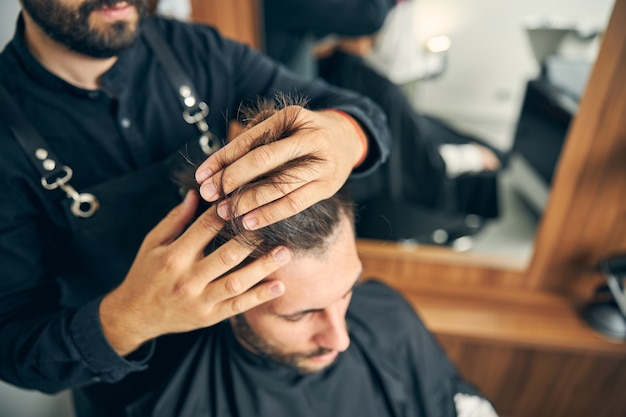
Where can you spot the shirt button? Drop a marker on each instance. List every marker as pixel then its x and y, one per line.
pixel 125 122
pixel 93 94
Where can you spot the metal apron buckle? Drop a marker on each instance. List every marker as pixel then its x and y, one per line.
pixel 84 205
pixel 208 142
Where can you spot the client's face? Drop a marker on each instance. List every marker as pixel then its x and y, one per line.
pixel 306 328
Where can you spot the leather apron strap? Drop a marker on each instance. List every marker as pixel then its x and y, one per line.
pixel 194 111
pixel 56 175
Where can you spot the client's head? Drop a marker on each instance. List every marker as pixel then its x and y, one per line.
pixel 305 328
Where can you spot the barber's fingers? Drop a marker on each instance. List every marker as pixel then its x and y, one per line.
pixel 262 293
pixel 253 164
pixel 242 289
pixel 203 269
pixel 187 241
pixel 292 203
pixel 250 166
pixel 174 223
pixel 198 235
pixel 239 146
pixel 237 163
pixel 283 183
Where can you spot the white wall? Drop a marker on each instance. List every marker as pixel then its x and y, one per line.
pixel 16 402
pixel 8 14
pixel 490 59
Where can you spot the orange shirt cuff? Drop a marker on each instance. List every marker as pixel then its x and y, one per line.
pixel 360 133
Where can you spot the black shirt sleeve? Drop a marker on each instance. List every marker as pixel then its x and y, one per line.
pixel 324 17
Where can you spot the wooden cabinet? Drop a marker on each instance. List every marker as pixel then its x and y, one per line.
pixel 236 19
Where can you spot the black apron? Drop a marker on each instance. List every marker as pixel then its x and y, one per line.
pixel 109 221
pixel 104 245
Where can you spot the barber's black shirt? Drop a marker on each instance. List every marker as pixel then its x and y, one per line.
pixel 134 120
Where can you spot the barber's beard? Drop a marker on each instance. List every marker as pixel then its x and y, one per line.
pixel 261 347
pixel 71 26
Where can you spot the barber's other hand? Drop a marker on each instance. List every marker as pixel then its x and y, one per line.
pixel 173 287
pixel 327 135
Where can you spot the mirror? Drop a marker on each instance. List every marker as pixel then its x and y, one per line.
pixel 482 90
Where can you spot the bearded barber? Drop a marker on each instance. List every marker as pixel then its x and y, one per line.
pixel 93 123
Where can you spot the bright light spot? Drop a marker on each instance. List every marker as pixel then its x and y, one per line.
pixel 438 44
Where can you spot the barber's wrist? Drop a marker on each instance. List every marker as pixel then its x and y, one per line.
pixel 363 141
pixel 118 330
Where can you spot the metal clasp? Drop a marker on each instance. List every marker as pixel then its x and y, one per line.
pixel 198 116
pixel 208 141
pixel 84 205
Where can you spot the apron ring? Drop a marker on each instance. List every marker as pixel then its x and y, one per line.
pixel 84 205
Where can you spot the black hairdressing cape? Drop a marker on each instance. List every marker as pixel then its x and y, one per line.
pixel 393 367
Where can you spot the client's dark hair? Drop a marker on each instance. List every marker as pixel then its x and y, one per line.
pixel 308 231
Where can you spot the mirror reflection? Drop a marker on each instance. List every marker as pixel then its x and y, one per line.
pixel 513 77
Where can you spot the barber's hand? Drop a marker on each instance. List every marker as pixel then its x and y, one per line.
pixel 327 135
pixel 173 287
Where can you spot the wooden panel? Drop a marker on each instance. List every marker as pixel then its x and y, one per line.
pixel 533 383
pixel 546 322
pixel 235 19
pixel 585 219
pixel 414 266
pixel 152 6
pixel 531 320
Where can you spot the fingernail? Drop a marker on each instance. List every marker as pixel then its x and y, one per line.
pixel 209 191
pixel 277 289
pixel 223 210
pixel 280 254
pixel 203 175
pixel 250 223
